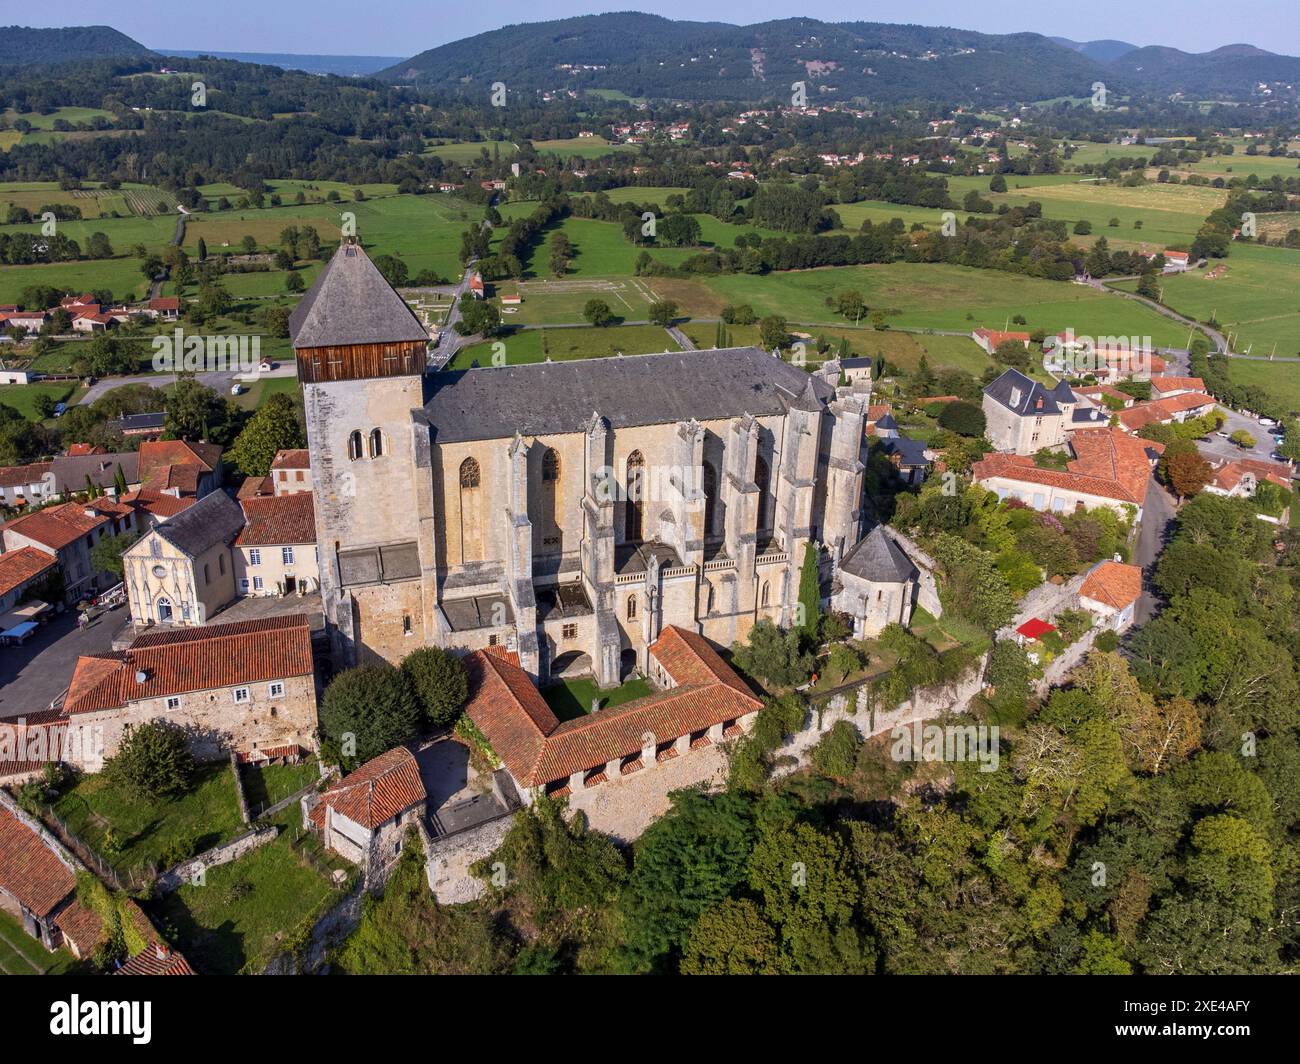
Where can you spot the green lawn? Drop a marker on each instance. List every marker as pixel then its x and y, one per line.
pixel 1281 379
pixel 22 397
pixel 581 147
pixel 132 832
pixel 463 151
pixel 560 345
pixel 569 699
pixel 121 276
pixel 1256 297
pixel 245 911
pixel 267 784
pixel 262 389
pixel 20 954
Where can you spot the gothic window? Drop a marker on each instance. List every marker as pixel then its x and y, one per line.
pixel 376 443
pixel 710 486
pixel 549 528
pixel 634 515
pixel 551 465
pixel 763 478
pixel 354 445
pixel 471 511
pixel 766 593
pixel 631 607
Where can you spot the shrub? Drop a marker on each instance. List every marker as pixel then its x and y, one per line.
pixel 439 682
pixel 366 711
pixel 153 759
pixel 836 754
pixel 963 418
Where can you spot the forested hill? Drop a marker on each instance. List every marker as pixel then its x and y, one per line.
pixel 27 46
pixel 646 55
pixel 1236 69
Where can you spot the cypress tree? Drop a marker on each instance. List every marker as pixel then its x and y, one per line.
pixel 810 592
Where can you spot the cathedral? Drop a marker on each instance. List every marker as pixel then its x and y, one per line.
pixel 566 511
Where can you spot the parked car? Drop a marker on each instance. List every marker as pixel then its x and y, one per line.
pixel 1224 435
pixel 1267 422
pixel 59 409
pixel 1277 456
pixel 236 389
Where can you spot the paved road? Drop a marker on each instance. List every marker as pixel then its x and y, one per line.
pixel 447 341
pixel 34 674
pixel 684 341
pixel 1157 517
pixel 220 382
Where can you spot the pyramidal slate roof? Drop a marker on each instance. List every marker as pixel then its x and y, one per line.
pixel 351 303
pixel 879 559
pixel 215 518
pixel 1024 396
pixel 549 398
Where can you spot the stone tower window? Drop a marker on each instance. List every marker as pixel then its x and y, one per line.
pixel 766 593
pixel 550 526
pixel 631 607
pixel 633 516
pixel 551 465
pixel 471 511
pixel 376 443
pixel 710 485
pixel 354 445
pixel 763 478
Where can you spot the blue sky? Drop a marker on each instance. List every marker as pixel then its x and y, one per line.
pixel 404 27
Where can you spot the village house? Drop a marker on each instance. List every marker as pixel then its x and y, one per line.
pixel 876 585
pixel 149 426
pixel 20 570
pixel 68 533
pixel 1024 416
pixel 1111 591
pixel 275 553
pixel 990 339
pixel 699 701
pixel 180 467
pixel 1238 478
pixel 291 471
pixel 1166 387
pixel 364 817
pixel 1110 468
pixel 180 571
pixel 244 687
pixel 1177 408
pixel 23 485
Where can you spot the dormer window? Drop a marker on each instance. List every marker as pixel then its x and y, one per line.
pixel 1015 396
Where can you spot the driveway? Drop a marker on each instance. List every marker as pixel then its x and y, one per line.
pixel 219 382
pixel 36 673
pixel 1218 447
pixel 1157 526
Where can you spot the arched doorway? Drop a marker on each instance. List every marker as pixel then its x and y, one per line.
pixel 164 611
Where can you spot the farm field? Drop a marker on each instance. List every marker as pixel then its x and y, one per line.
pixel 72 115
pixel 555 302
pixel 461 151
pixel 1281 379
pixel 1256 298
pixel 582 147
pixel 559 345
pixel 92 201
pixel 121 276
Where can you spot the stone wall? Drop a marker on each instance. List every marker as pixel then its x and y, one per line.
pixel 449 859
pixel 186 871
pixel 927 589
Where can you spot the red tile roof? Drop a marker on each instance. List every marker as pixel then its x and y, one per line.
pixel 514 718
pixel 19 566
pixel 193 659
pixel 82 926
pixel 1108 463
pixel 1163 410
pixel 58 526
pixel 156 959
pixel 165 303
pixel 29 869
pixel 1169 383
pixel 155 454
pixel 159 503
pixel 1113 583
pixel 380 789
pixel 1228 474
pixel 252 487
pixel 997 336
pixel 278 519
pixel 19 476
pixel 298 458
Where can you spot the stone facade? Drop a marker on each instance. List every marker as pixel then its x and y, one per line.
pixel 167 586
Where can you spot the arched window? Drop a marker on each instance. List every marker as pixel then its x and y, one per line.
pixel 763 478
pixel 631 607
pixel 711 514
pixel 354 445
pixel 766 594
pixel 471 511
pixel 635 483
pixel 549 529
pixel 376 443
pixel 708 597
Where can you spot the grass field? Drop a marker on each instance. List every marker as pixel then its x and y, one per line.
pixel 22 397
pixel 120 276
pixel 562 345
pixel 131 832
pixel 569 699
pixel 237 920
pixel 261 390
pixel 463 151
pixel 582 147
pixel 1256 298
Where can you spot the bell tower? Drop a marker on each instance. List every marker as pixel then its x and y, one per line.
pixel 361 355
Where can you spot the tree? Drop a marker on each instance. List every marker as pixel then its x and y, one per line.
pixel 775 655
pixel 678 231
pixel 1243 439
pixel 561 253
pixel 1187 472
pixel 662 312
pixel 153 759
pixel 963 418
pixel 365 711
pixel 276 426
pixel 478 318
pixel 997 183
pixel 293 282
pixel 773 332
pixel 106 555
pixel 810 593
pixel 597 312
pixel 193 411
pixel 1148 286
pixel 731 938
pixel 843 660
pixel 439 682
pixel 836 754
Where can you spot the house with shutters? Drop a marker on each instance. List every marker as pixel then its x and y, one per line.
pixel 364 817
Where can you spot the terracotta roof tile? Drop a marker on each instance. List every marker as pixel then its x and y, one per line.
pixel 193 659
pixel 278 519
pixel 297 458
pixel 380 789
pixel 1113 583
pixel 58 526
pixel 29 869
pixel 19 566
pixel 156 959
pixel 1108 463
pixel 82 926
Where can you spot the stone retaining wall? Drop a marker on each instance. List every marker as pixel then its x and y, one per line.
pixel 186 871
